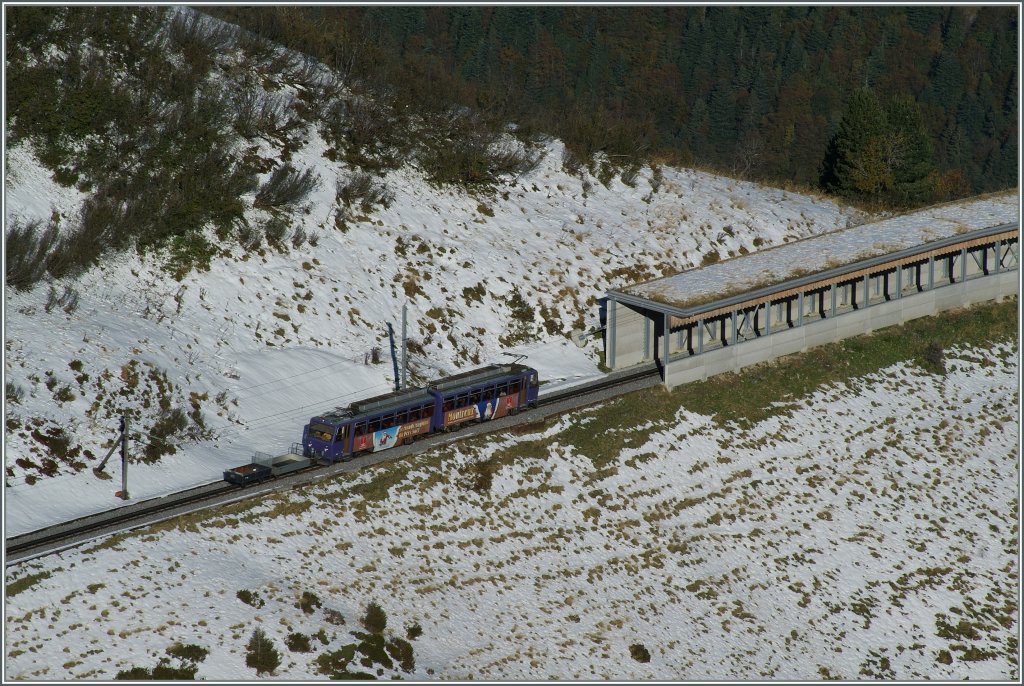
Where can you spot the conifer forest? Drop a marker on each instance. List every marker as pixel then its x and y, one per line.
pixel 894 105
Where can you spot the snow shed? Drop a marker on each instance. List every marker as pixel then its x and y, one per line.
pixel 785 299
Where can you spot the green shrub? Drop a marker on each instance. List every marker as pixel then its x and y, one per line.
pixel 57 442
pixel 170 423
pixel 188 652
pixel 373 648
pixel 298 643
pixel 375 620
pixel 308 602
pixel 13 393
pixel 189 251
pixel 933 358
pixel 369 132
pixel 363 189
pixel 162 672
pixel 639 653
pixel 26 247
pixel 250 598
pixel 261 654
pixel 336 661
pixel 64 394
pixel 479 475
pixel 402 653
pixel 414 632
pixel 134 674
pixel 276 229
pixel 286 186
pixel 520 316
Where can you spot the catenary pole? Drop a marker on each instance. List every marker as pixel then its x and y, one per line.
pixel 405 358
pixel 124 457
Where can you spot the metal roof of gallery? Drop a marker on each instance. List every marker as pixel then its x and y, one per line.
pixel 825 256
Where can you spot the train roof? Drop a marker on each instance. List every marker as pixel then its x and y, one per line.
pixel 380 403
pixel 476 377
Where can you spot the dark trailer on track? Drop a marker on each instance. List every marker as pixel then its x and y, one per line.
pixel 483 394
pixel 369 425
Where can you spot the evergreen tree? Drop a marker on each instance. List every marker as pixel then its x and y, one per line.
pixel 854 163
pixel 262 655
pixel 912 162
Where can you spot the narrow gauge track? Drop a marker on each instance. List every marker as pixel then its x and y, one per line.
pixel 67 534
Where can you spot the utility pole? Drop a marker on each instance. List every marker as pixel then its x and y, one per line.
pixel 124 457
pixel 405 359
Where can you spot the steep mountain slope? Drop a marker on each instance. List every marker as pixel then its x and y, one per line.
pixel 217 363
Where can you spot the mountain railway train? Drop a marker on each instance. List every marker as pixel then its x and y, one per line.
pixel 400 417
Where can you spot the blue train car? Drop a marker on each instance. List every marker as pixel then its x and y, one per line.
pixel 369 425
pixel 483 394
pixel 395 418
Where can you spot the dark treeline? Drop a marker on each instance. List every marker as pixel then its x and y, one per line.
pixel 757 91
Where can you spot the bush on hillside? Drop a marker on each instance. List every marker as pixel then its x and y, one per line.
pixel 250 597
pixel 521 328
pixel 13 393
pixel 461 149
pixel 27 246
pixel 298 643
pixel 368 132
pixel 401 652
pixel 934 358
pixel 362 188
pixel 170 423
pixel 188 652
pixel 286 186
pixel 639 653
pixel 375 620
pixel 259 113
pixel 309 602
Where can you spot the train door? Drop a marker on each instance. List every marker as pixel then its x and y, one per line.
pixel 340 442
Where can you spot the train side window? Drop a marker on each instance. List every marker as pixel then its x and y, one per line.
pixel 414 414
pixel 514 388
pixel 375 426
pixel 449 404
pixel 502 389
pixel 474 397
pixel 426 411
pixel 342 433
pixel 387 420
pixel 360 429
pixel 461 400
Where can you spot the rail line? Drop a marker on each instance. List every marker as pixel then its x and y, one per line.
pixel 31 545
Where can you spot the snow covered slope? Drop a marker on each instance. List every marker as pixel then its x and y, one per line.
pixel 818 545
pixel 249 350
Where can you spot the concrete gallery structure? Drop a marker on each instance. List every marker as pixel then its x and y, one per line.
pixel 785 299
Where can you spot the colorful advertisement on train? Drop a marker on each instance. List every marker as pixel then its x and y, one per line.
pixel 391 436
pixel 484 411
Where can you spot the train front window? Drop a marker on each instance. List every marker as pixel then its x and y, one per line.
pixel 321 432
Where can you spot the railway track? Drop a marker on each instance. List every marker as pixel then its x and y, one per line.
pixel 143 513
